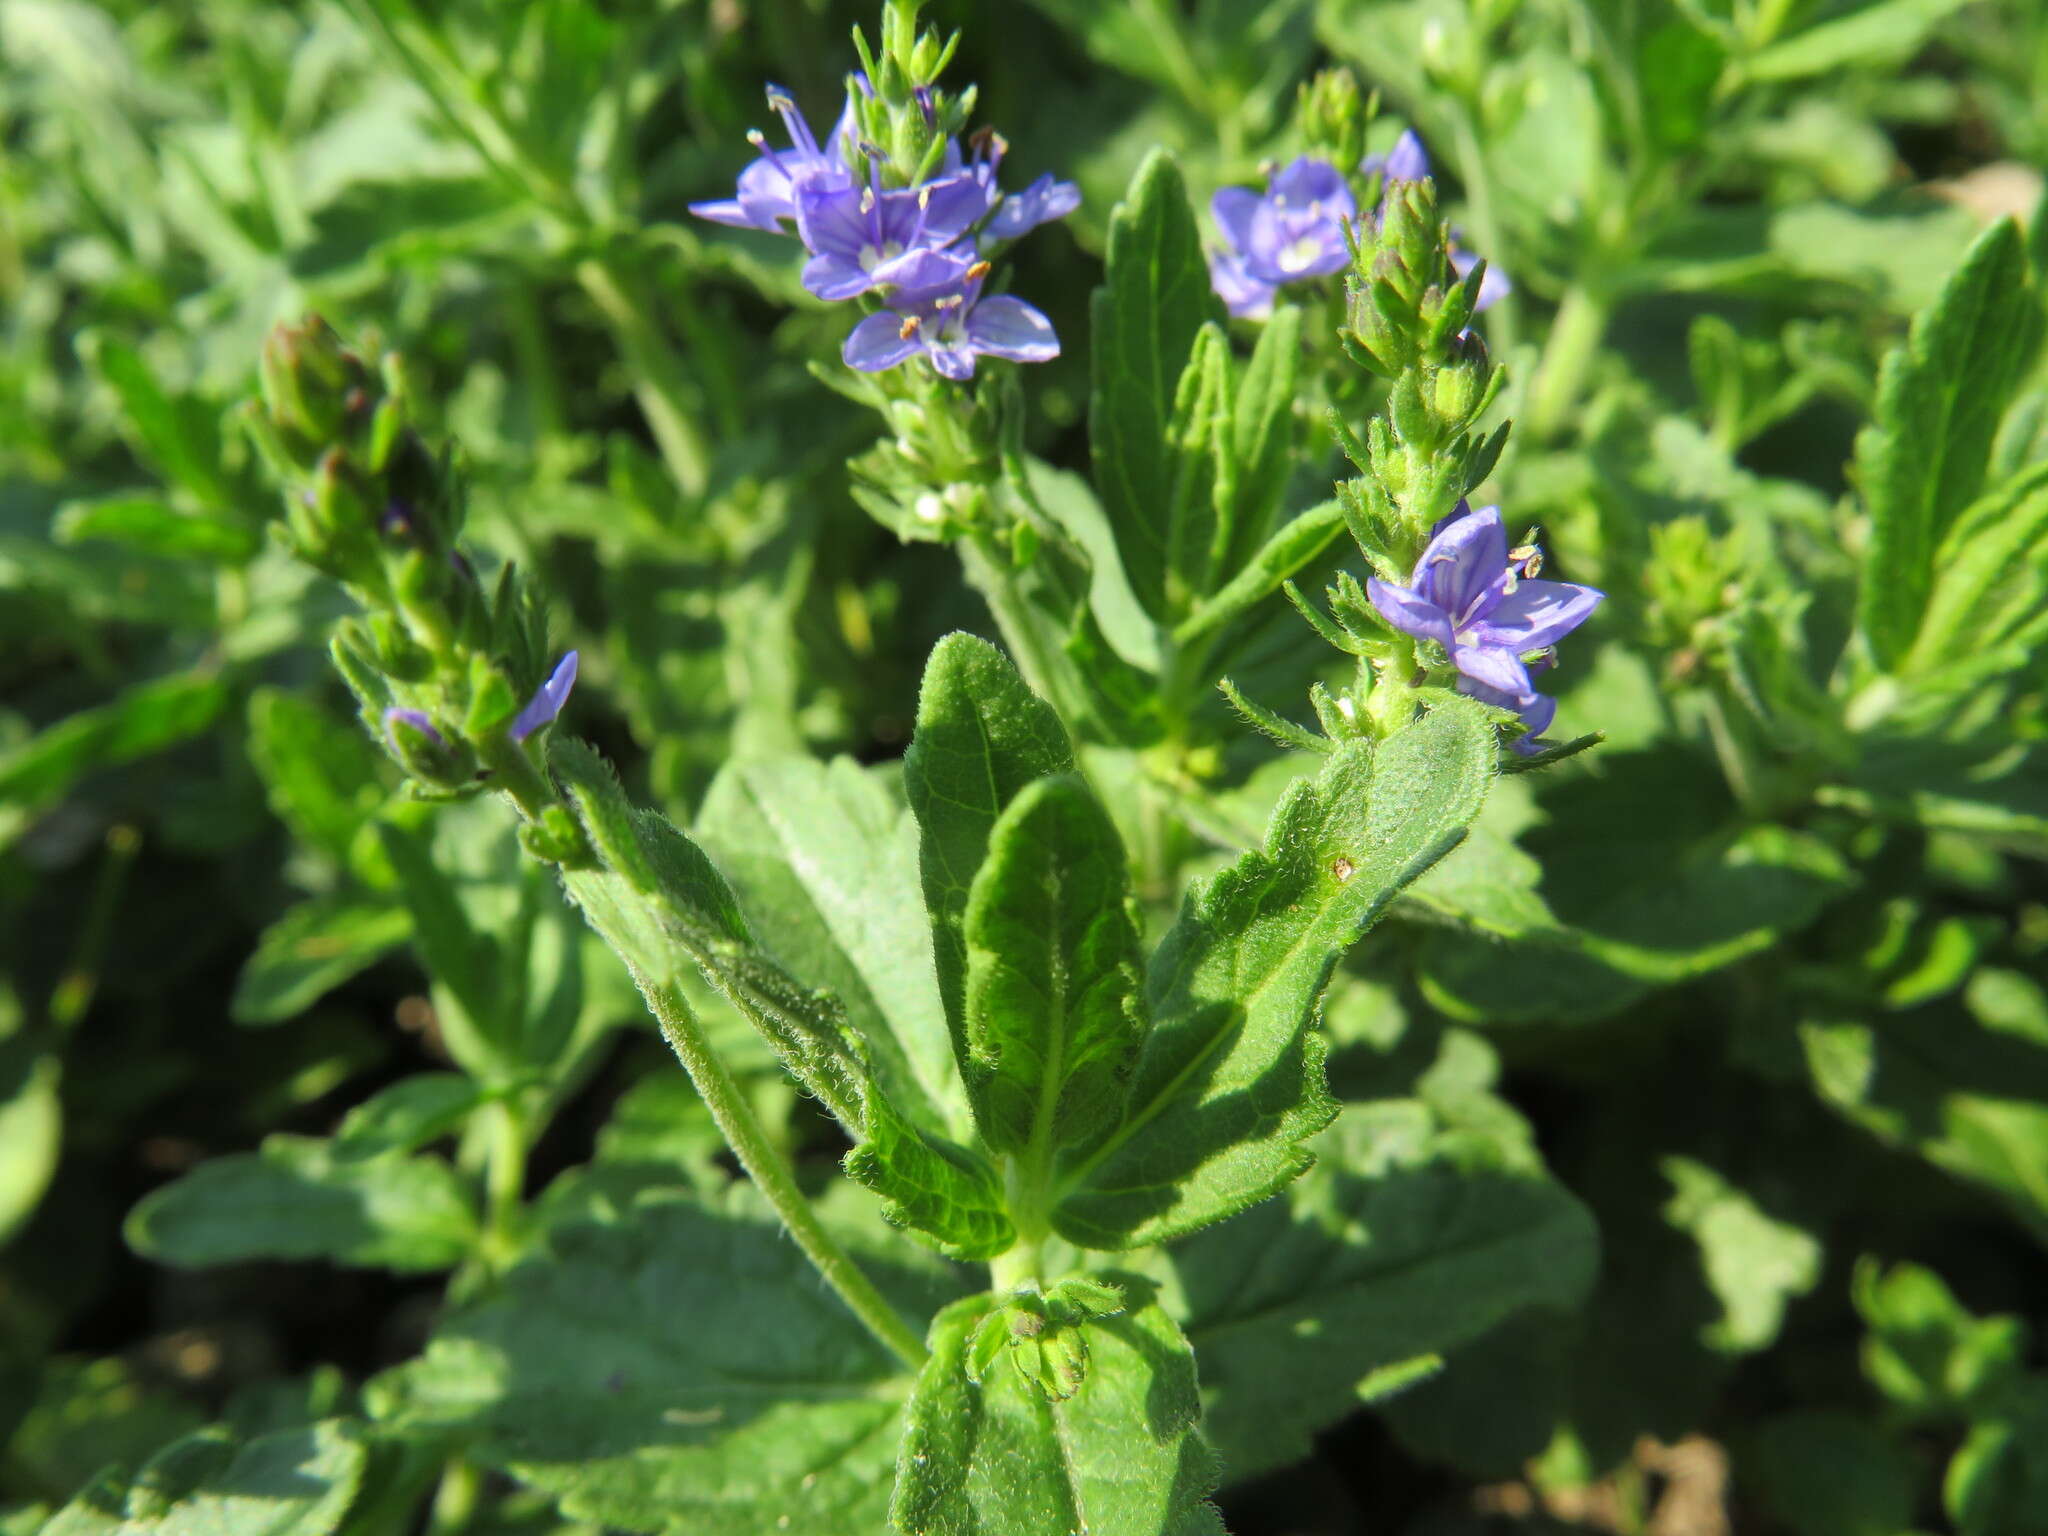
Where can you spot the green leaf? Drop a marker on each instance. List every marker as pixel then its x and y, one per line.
pixel 1263 435
pixel 1053 1021
pixel 302 1482
pixel 180 434
pixel 1231 1078
pixel 1143 322
pixel 1754 1262
pixel 1201 438
pixel 467 961
pixel 321 775
pixel 409 1114
pixel 31 1129
pixel 312 949
pixel 824 858
pixel 1991 581
pixel 1575 906
pixel 661 904
pixel 946 1191
pixel 297 1198
pixel 1412 1234
pixel 1888 32
pixel 677 1368
pixel 981 736
pixel 1970 1101
pixel 1940 398
pixel 150 525
pixel 1924 1351
pixel 1260 574
pixel 1123 1456
pixel 145 719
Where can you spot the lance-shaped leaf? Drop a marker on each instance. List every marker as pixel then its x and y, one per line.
pixel 1052 972
pixel 1144 320
pixel 824 857
pixel 677 1367
pixel 1263 435
pixel 1201 437
pixel 1923 457
pixel 1123 1456
pixel 1231 1079
pixel 982 735
pixel 658 900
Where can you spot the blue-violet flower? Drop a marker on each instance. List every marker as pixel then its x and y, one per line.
pixel 769 188
pixel 547 700
pixel 1482 603
pixel 1296 230
pixel 863 238
pixel 951 325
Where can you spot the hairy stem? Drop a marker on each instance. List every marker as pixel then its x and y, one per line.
pixel 773 1176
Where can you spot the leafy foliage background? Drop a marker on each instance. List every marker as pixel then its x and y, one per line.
pixel 1695 1109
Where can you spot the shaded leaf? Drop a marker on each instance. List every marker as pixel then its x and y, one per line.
pixel 297 1199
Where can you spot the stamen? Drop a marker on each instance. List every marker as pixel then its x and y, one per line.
pixel 907 329
pixel 978 271
pixel 759 140
pixel 950 301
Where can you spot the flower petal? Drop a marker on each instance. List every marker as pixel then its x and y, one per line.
pixel 1460 562
pixel 1538 614
pixel 1247 297
pixel 1043 201
pixel 547 700
pixel 1234 208
pixel 1493 666
pixel 1409 612
pixel 953 359
pixel 1408 160
pixel 878 343
pixel 946 209
pixel 832 276
pixel 1006 326
pixel 832 222
pixel 728 210
pixel 1312 181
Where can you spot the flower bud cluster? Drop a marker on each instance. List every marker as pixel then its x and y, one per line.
pixel 1408 313
pixel 892 208
pixel 453 677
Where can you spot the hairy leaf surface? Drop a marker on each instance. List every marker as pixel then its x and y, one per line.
pixel 1231 1079
pixel 1123 1456
pixel 1052 971
pixel 677 1367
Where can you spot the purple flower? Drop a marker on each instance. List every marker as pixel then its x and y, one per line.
pixel 951 325
pixel 1296 230
pixel 867 238
pixel 1481 602
pixel 1043 201
pixel 547 700
pixel 769 188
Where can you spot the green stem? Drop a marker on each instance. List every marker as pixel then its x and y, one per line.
pixel 1574 339
pixel 1501 320
pixel 455 1500
pixel 504 1180
pixel 660 383
pixel 774 1177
